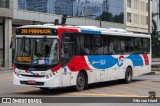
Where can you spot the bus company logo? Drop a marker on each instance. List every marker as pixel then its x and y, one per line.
pixel 95 62
pixel 120 61
pixel 6 100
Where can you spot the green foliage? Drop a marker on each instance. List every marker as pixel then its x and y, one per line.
pixel 119 18
pixel 107 16
pixel 155 36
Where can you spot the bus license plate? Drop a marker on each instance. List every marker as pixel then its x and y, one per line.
pixel 31 82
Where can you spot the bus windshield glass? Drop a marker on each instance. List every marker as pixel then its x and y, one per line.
pixel 37 51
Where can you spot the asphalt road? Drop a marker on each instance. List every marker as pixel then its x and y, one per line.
pixel 140 87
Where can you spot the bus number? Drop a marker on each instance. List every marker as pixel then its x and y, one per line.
pixel 24 31
pixel 24 59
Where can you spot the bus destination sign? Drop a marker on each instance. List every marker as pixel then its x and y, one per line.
pixel 36 31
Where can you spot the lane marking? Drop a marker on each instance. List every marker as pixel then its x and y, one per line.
pixel 105 94
pixel 113 91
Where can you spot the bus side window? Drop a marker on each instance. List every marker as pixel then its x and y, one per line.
pixel 138 45
pixel 129 47
pixel 67 48
pixel 79 49
pixel 106 44
pixel 146 45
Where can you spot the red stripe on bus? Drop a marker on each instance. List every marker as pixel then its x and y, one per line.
pixel 26 71
pixel 78 63
pixel 56 68
pixel 146 59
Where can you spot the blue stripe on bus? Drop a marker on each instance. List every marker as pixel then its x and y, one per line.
pixel 108 61
pixel 136 59
pixel 90 31
pixel 102 62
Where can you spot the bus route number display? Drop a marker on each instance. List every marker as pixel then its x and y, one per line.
pixel 36 31
pixel 23 59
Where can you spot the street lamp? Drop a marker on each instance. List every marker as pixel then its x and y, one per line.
pixel 99 5
pixel 72 6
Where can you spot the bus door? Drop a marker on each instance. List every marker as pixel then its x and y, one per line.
pixel 99 56
pixel 67 52
pixel 103 75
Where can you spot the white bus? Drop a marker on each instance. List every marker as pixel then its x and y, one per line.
pixel 49 56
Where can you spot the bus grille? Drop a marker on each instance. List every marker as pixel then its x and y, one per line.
pixel 26 83
pixel 32 75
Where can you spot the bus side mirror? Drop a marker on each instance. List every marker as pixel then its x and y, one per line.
pixel 64 17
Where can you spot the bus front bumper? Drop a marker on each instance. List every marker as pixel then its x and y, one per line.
pixel 52 82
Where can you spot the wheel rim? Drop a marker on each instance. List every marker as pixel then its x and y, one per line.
pixel 80 81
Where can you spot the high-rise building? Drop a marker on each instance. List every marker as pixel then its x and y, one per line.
pixel 63 7
pixel 47 6
pixel 33 5
pixel 137 15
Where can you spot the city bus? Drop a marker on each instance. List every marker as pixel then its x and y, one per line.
pixel 50 56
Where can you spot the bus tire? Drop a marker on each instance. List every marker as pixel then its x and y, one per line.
pixel 44 89
pixel 80 82
pixel 128 75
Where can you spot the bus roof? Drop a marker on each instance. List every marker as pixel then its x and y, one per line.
pixel 91 30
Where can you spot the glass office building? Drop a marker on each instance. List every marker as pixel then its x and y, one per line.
pixel 106 10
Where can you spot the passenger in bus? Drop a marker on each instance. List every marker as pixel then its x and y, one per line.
pixel 106 49
pixel 99 48
pixel 87 51
pixel 111 50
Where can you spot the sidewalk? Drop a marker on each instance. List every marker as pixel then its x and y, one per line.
pixel 5 70
pixel 155 64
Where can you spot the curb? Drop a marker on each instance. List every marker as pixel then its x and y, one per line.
pixel 155 69
pixel 150 73
pixel 5 71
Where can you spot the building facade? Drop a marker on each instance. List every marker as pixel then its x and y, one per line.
pixel 137 16
pixel 102 13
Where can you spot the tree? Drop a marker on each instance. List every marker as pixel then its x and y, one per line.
pixel 105 16
pixel 119 18
pixel 155 36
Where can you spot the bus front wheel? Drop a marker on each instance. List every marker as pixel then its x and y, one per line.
pixel 80 83
pixel 128 75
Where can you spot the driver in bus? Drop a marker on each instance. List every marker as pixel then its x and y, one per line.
pixel 47 51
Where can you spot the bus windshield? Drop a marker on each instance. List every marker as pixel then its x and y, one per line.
pixel 37 51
